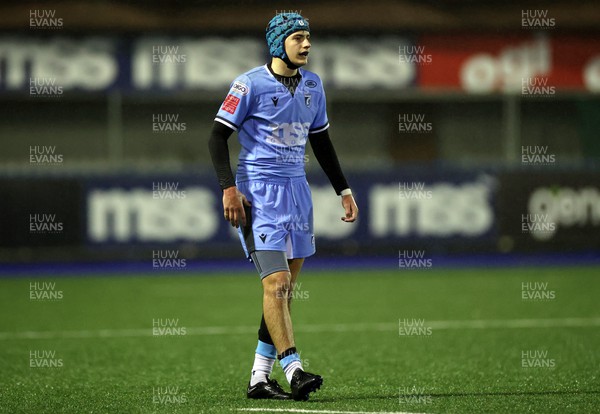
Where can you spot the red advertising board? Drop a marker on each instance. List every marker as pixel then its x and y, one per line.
pixel 502 63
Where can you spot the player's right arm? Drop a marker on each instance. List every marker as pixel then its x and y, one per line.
pixel 233 200
pixel 231 115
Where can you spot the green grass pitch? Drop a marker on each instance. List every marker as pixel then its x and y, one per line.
pixel 94 350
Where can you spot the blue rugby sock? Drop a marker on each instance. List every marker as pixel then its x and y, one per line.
pixel 290 363
pixel 264 358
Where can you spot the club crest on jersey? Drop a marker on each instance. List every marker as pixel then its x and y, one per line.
pixel 240 88
pixel 310 83
pixel 307 99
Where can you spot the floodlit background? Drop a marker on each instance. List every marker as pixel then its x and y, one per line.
pixel 469 132
pixel 462 128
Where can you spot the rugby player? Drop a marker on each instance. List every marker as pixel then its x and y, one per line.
pixel 276 109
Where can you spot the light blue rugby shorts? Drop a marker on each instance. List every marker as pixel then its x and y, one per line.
pixel 281 217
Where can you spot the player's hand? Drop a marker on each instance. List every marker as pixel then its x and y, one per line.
pixel 233 206
pixel 351 208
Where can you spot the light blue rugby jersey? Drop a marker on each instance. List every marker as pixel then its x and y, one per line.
pixel 273 125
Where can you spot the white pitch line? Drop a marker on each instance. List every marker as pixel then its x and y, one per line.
pixel 301 410
pixel 322 328
pixel 515 323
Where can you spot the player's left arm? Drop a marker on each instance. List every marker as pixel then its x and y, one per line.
pixel 328 160
pixel 322 146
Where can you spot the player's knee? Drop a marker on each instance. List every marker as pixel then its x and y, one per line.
pixel 277 284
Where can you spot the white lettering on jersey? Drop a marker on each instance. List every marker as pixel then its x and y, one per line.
pixel 288 134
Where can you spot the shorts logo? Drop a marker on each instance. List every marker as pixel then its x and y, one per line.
pixel 263 237
pixel 307 99
pixel 230 104
pixel 310 83
pixel 240 88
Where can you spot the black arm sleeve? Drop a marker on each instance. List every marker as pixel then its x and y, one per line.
pixel 328 160
pixel 219 152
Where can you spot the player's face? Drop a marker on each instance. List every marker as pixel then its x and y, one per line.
pixel 297 47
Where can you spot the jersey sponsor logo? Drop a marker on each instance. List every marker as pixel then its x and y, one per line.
pixel 288 135
pixel 240 88
pixel 230 104
pixel 310 83
pixel 275 100
pixel 307 99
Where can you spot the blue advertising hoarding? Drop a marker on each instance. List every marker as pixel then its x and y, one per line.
pixel 429 207
pixel 154 63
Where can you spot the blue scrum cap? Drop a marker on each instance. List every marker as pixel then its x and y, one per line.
pixel 279 28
